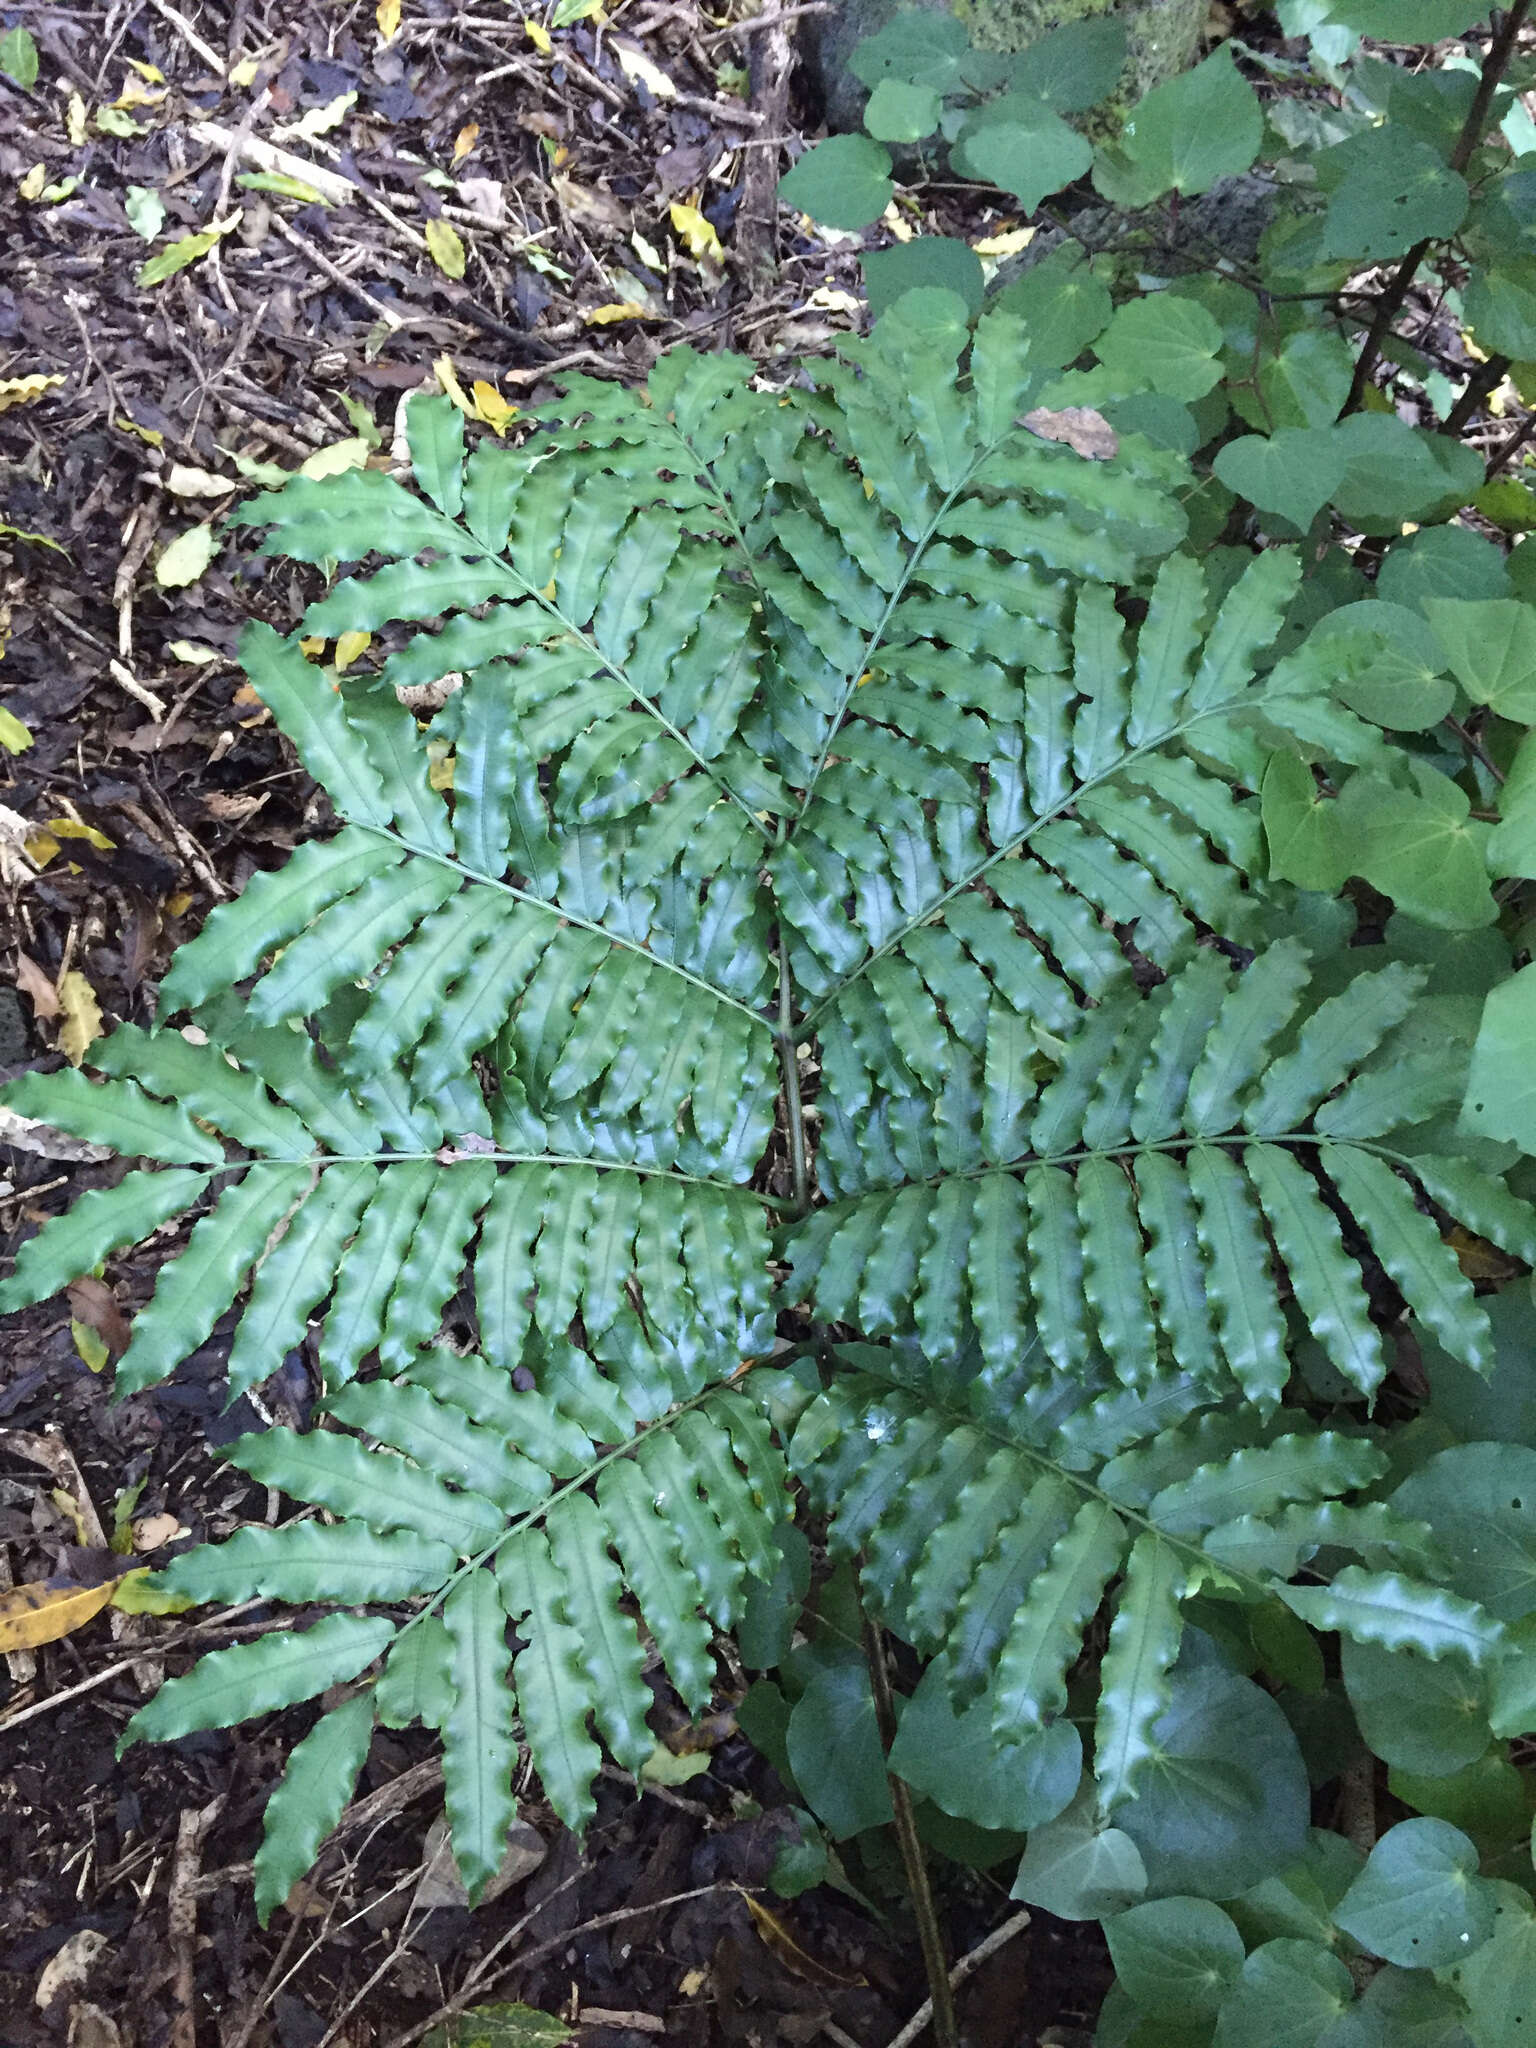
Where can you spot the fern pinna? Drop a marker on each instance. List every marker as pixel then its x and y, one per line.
pixel 848 718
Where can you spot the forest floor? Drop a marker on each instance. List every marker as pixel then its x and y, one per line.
pixel 453 188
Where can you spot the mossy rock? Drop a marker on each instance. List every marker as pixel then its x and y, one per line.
pixel 1163 37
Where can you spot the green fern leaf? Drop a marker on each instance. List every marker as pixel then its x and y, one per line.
pixel 116 1113
pixel 552 1681
pixel 100 1223
pixel 416 1683
pixel 278 1670
pixel 346 1563
pixel 1328 1285
pixel 335 1472
pixel 607 1646
pixel 296 1273
pixel 1133 1679
pixel 1047 1631
pixel 194 1290
pixel 321 1774
pixel 443 1440
pixel 350 939
pixel 311 714
pixel 1398 1613
pixel 479 1740
pixel 201 1078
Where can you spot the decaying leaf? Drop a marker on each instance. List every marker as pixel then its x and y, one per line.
pixel 187 482
pixel 538 35
pixel 80 1022
pixel 639 70
pixel 387 15
pixel 186 558
pixel 777 1937
pixel 1079 426
pixel 43 1610
pixel 36 984
pixel 465 140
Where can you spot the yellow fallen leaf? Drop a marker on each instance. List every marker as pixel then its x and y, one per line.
pixel 698 234
pixel 448 377
pixel 606 316
pixel 186 558
pixel 439 764
pixel 76 120
pixel 22 390
pixel 538 35
pixel 465 140
pixel 318 121
pixel 1004 245
pixel 150 72
pixel 639 69
pixel 445 247
pixel 179 904
pixel 80 1024
pixel 244 73
pixel 387 15
pixel 312 646
pixel 31 186
pixel 828 298
pixel 44 1610
pixel 14 736
pixel 351 647
pixel 151 435
pixel 91 1346
pixel 496 411
pixel 193 652
pixel 335 460
pixel 71 828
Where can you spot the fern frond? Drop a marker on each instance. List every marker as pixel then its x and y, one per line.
pixel 984 1532
pixel 1166 1154
pixel 554 1531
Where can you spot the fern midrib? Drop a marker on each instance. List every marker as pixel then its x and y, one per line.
pixel 909 570
pixel 567 917
pixel 535 1515
pixel 617 668
pixel 595 1164
pixel 1239 1140
pixel 1182 1545
pixel 898 938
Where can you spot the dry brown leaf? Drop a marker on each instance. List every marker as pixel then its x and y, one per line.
pixel 93 1303
pixel 1081 428
pixel 45 1610
pixel 776 1937
pixel 37 987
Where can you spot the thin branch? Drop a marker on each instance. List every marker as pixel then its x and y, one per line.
pixel 967 1966
pixel 940 2009
pixel 1390 304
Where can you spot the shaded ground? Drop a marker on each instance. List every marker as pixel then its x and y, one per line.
pixel 153 787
